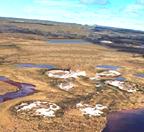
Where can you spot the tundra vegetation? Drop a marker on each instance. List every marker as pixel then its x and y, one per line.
pixel 71 91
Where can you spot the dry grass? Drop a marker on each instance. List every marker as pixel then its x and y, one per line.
pixel 4 88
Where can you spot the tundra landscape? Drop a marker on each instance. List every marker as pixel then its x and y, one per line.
pixel 66 77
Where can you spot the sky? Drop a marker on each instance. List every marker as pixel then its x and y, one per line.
pixel 116 13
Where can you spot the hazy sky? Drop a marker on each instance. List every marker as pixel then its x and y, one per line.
pixel 117 13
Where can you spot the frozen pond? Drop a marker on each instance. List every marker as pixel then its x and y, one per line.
pixel 24 90
pixel 67 41
pixel 36 66
pixel 125 121
pixel 109 67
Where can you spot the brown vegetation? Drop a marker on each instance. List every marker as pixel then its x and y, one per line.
pixel 19 48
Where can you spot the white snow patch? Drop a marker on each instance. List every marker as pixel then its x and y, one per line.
pixel 26 106
pixel 66 86
pixel 109 73
pixel 65 74
pixel 106 42
pixel 98 85
pixel 91 111
pixel 48 112
pixel 121 85
pixel 92 78
pixel 39 108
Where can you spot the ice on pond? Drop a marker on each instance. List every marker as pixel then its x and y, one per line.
pixel 89 110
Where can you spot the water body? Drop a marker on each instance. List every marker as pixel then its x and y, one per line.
pixel 141 75
pixel 109 67
pixel 120 79
pixel 36 66
pixel 125 121
pixel 67 41
pixel 24 90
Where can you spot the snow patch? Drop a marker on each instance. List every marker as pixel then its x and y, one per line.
pixel 122 85
pixel 106 42
pixel 26 106
pixel 109 73
pixel 66 86
pixel 40 108
pixel 48 112
pixel 90 110
pixel 65 74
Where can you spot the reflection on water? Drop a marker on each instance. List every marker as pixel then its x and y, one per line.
pixel 67 41
pixel 24 90
pixel 36 66
pixel 109 67
pixel 125 121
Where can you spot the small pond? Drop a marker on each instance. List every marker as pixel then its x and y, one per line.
pixel 24 90
pixel 125 121
pixel 120 79
pixel 35 66
pixel 109 67
pixel 67 41
pixel 140 75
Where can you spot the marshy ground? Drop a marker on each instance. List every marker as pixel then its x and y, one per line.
pixel 18 50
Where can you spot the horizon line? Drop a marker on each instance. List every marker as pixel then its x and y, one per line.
pixel 36 19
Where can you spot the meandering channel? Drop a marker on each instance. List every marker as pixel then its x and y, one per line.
pixel 25 89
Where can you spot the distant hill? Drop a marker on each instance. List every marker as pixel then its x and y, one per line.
pixel 121 39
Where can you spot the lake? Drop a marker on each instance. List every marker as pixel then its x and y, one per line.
pixel 125 121
pixel 67 41
pixel 27 65
pixel 109 67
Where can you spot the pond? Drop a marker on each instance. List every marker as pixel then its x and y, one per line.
pixel 140 75
pixel 125 121
pixel 26 65
pixel 24 90
pixel 120 79
pixel 67 41
pixel 109 67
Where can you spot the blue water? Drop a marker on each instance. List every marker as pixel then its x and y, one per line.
pixel 24 90
pixel 141 75
pixel 36 66
pixel 125 121
pixel 67 41
pixel 120 79
pixel 109 67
